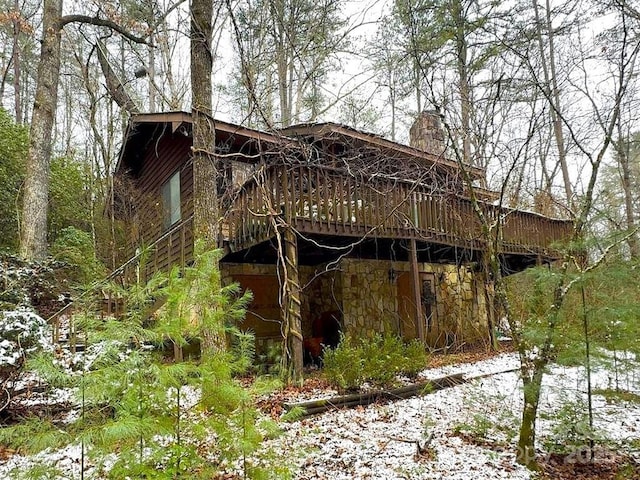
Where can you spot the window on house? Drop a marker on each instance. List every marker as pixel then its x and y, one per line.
pixel 171 200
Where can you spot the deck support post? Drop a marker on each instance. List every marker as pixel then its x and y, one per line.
pixel 292 354
pixel 416 288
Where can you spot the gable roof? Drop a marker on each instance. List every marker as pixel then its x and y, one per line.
pixel 337 130
pixel 145 128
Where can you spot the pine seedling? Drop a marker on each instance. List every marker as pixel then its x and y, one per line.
pixel 179 419
pixel 159 418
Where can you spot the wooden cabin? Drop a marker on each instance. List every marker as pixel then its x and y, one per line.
pixel 386 237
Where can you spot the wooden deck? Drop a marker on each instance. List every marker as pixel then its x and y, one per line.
pixel 325 201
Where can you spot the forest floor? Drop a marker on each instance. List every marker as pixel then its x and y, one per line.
pixel 463 432
pixel 470 431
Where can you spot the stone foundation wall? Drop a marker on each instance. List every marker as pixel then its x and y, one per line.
pixel 371 301
pixel 461 315
pixel 368 295
pixel 322 292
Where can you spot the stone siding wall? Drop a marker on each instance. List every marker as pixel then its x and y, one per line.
pixel 371 297
pixel 367 294
pixel 461 315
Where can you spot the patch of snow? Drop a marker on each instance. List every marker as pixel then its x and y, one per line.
pixel 23 332
pixel 380 441
pixel 189 397
pixel 499 363
pixel 66 461
pixel 51 397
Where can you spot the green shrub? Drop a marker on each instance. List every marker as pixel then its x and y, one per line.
pixel 479 428
pixel 378 360
pixel 75 248
pixel 270 360
pixel 344 366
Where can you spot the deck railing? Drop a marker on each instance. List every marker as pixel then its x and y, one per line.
pixel 173 248
pixel 320 200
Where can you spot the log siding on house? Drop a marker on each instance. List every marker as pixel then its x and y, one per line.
pixel 358 219
pixel 173 245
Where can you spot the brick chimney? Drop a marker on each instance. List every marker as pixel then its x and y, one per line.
pixel 426 133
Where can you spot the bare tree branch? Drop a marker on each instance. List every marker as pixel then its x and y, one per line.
pixel 102 22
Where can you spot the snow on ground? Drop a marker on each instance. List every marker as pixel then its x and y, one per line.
pixel 380 441
pixel 373 442
pixel 497 364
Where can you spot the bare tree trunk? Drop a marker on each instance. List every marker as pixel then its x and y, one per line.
pixel 285 116
pixel 552 92
pixel 17 66
pixel 33 235
pixel 634 249
pixel 151 73
pixel 526 453
pixel 291 76
pixel 267 111
pixel 68 95
pixel 392 105
pixel 204 166
pixel 33 231
pixel 491 269
pixel 205 172
pixel 623 151
pixel 282 61
pixel 463 79
pixel 175 97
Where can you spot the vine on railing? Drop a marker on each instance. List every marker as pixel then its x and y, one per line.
pixel 323 200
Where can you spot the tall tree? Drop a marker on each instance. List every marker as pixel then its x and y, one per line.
pixel 204 134
pixel 621 182
pixel 392 66
pixel 449 43
pixel 544 30
pixel 285 49
pixel 166 21
pixel 205 171
pixel 604 107
pixel 33 235
pixel 17 27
